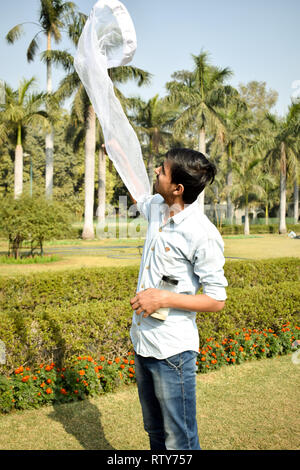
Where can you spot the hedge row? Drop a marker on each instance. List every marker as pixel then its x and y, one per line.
pixel 56 316
pixel 256 228
pixel 47 384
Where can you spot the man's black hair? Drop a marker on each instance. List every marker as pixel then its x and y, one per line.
pixel 191 169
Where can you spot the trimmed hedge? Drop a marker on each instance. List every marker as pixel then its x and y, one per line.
pixel 256 228
pixel 56 316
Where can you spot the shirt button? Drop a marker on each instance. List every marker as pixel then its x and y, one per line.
pixel 142 286
pixel 139 323
pixel 152 248
pixel 160 229
pixel 147 267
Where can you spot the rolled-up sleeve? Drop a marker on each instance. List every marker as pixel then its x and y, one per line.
pixel 208 263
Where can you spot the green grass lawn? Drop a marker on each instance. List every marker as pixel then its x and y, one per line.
pixel 75 254
pixel 253 406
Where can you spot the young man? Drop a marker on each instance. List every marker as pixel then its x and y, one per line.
pixel 181 243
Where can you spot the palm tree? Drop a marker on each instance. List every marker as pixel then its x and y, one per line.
pixel 247 184
pixel 71 84
pixel 201 93
pixel 282 141
pixel 53 15
pixel 22 108
pixel 153 119
pixel 236 135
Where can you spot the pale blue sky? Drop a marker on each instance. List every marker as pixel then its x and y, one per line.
pixel 257 39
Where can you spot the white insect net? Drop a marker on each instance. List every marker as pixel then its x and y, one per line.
pixel 109 40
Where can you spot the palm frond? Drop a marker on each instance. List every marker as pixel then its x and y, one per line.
pixel 15 33
pixel 32 48
pixel 63 58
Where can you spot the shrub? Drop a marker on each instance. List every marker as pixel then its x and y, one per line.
pixel 54 317
pixel 34 219
pixel 86 377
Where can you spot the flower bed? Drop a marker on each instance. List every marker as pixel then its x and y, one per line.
pixel 31 388
pixel 247 344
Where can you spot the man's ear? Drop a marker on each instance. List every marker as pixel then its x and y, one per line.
pixel 179 190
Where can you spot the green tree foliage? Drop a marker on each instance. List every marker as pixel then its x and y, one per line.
pixel 34 220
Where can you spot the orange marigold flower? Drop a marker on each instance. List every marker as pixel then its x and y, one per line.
pixel 34 378
pixel 48 381
pixel 27 368
pixel 76 391
pixel 130 375
pixel 42 384
pixel 117 360
pixel 48 391
pixel 25 378
pixel 131 362
pixel 232 353
pixel 63 391
pixel 126 361
pixel 81 372
pixel 233 359
pixel 203 359
pixel 102 358
pixel 122 366
pixel 109 362
pixel 100 367
pixel 39 393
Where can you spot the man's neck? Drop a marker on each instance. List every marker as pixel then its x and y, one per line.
pixel 174 207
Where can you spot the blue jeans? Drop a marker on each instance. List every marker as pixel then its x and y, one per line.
pixel 167 392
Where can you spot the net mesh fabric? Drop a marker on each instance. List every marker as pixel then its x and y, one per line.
pixel 109 40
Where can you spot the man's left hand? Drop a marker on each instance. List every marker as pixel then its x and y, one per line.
pixel 148 301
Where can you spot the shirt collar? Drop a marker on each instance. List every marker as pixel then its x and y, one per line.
pixel 180 216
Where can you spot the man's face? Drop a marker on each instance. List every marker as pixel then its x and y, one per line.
pixel 163 184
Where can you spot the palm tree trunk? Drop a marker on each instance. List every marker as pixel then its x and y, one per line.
pixel 90 144
pixel 296 201
pixel 150 171
pixel 202 149
pixel 282 206
pixel 229 210
pixel 150 165
pixel 246 226
pixel 18 171
pixel 101 185
pixel 49 142
pixel 267 213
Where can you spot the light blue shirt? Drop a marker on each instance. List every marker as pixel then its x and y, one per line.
pixel 186 246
